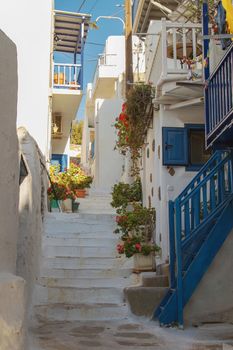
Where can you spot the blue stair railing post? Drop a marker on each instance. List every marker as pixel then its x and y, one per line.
pixel 179 264
pixel 172 244
pixel 205 31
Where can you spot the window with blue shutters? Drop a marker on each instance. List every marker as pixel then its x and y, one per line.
pixel 175 146
pixel 185 146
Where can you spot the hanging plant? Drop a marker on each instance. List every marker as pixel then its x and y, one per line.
pixel 133 122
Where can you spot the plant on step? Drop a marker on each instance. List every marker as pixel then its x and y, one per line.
pixel 135 245
pixel 133 123
pixel 138 221
pixel 77 178
pixel 124 194
pixel 59 191
pixel 65 184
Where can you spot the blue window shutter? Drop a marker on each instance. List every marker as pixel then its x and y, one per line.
pixel 175 146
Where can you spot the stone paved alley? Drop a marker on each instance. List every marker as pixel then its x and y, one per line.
pixel 131 334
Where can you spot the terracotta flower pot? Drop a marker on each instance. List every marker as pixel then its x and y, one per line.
pixel 81 193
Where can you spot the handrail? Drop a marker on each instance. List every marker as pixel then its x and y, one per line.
pixel 218 98
pixel 218 67
pixel 204 181
pixel 196 206
pixel 204 168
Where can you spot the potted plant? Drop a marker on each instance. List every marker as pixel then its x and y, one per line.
pixel 64 186
pixel 124 195
pixel 78 180
pixel 136 225
pixel 143 252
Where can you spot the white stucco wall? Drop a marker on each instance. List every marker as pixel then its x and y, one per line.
pixel 9 174
pixel 108 162
pixel 12 288
pixel 62 145
pixel 163 185
pixel 32 206
pixel 28 23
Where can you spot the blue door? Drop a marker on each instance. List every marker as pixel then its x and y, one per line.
pixel 60 159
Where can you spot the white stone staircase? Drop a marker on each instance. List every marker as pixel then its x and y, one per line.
pixel 81 275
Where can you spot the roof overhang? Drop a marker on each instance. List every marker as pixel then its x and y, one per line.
pixel 148 10
pixel 70 31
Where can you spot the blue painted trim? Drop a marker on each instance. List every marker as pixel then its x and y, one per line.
pixel 172 243
pixel 62 159
pixel 179 264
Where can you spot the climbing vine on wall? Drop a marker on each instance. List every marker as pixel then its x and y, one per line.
pixel 133 122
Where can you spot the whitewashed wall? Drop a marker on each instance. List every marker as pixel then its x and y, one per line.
pixel 108 162
pixel 12 288
pixel 164 186
pixel 28 23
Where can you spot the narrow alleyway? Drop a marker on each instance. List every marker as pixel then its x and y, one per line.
pixel 79 299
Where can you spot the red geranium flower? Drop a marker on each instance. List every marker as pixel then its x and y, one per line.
pixel 124 106
pixel 138 247
pixel 123 117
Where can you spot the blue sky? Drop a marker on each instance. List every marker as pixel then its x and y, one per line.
pixel 96 38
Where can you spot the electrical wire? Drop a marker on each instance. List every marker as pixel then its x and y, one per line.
pixel 81 5
pixel 91 43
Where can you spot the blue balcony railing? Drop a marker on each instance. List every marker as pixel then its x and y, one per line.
pixel 219 102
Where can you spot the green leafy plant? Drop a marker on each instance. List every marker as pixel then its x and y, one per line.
pixel 139 221
pixel 123 194
pixel 65 184
pixel 133 122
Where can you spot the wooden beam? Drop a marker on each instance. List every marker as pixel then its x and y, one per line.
pixel 128 46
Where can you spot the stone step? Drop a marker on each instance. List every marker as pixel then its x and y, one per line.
pixel 88 272
pixel 144 300
pixel 96 210
pixel 80 252
pixel 71 263
pixel 84 240
pixel 151 279
pixel 44 295
pixel 80 235
pixel 76 217
pixel 98 230
pixel 81 312
pixel 85 282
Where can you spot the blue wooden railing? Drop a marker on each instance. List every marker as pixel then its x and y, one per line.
pixel 191 218
pixel 219 99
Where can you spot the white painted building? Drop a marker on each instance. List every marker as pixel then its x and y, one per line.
pixel 32 37
pixel 50 89
pixel 175 145
pixel 105 97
